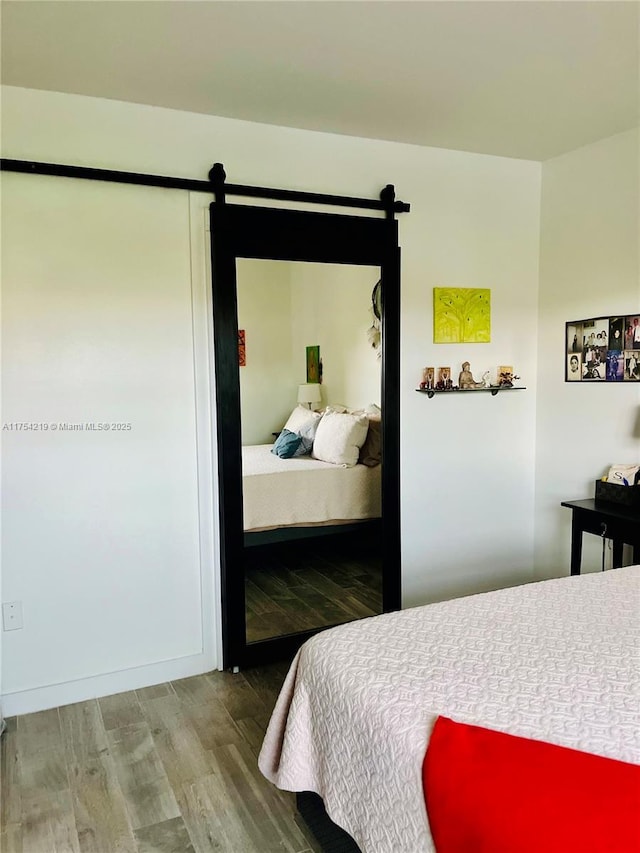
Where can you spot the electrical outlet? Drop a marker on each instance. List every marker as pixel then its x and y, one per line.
pixel 12 615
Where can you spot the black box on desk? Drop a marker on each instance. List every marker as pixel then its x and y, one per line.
pixel 623 496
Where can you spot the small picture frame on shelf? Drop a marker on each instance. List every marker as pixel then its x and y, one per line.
pixel 505 375
pixel 444 379
pixel 428 378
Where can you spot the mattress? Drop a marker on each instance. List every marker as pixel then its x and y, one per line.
pixel 555 661
pixel 304 491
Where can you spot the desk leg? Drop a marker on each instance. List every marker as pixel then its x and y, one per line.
pixel 617 553
pixel 576 544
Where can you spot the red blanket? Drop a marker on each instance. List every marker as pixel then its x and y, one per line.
pixel 489 792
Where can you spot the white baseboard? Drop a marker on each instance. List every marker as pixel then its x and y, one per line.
pixel 66 693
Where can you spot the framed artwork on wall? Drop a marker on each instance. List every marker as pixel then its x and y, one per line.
pixel 313 365
pixel 603 349
pixel 461 315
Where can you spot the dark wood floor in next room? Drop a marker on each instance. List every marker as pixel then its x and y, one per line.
pixel 298 586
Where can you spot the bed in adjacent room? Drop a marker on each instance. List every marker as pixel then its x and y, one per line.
pixel 554 664
pixel 304 491
pixel 323 470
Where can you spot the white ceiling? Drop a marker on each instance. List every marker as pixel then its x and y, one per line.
pixel 517 79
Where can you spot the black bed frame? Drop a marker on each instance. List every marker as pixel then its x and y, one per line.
pixel 289 534
pixel 330 837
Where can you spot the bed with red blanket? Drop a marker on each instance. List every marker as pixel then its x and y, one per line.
pixel 507 721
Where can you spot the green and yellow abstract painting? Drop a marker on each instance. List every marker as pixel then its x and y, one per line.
pixel 461 315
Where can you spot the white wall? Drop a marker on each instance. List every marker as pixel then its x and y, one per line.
pixel 589 267
pixel 332 309
pixel 467 463
pixel 285 307
pixel 268 382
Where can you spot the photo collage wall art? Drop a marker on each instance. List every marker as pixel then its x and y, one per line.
pixel 603 349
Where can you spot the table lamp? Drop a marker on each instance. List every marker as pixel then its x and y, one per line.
pixel 309 393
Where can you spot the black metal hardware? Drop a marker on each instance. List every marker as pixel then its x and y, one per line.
pixel 218 176
pixel 63 171
pixel 215 184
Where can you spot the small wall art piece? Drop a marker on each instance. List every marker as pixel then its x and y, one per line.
pixel 506 376
pixel 428 378
pixel 603 349
pixel 313 365
pixel 461 315
pixel 242 349
pixel 444 379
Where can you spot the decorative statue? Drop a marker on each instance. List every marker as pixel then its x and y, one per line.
pixel 485 379
pixel 466 380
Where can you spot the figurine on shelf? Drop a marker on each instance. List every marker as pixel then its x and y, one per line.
pixel 466 381
pixel 485 379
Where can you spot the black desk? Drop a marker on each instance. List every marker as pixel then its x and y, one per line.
pixel 613 521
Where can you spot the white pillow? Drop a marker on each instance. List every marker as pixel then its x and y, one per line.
pixel 300 417
pixel 307 433
pixel 340 437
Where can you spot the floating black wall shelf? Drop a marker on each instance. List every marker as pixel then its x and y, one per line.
pixel 495 389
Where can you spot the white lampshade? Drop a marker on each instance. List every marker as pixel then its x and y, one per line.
pixel 309 393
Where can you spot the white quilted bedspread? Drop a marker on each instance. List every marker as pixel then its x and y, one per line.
pixel 283 492
pixel 555 661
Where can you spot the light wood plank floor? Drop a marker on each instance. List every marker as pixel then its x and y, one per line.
pixel 167 769
pixel 295 586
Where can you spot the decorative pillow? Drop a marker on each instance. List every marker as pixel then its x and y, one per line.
pixel 286 444
pixel 371 450
pixel 299 417
pixel 340 437
pixel 307 434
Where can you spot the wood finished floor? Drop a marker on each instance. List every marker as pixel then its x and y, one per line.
pixel 167 769
pixel 294 587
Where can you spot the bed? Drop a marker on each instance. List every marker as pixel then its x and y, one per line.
pixel 323 472
pixel 305 492
pixel 555 661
